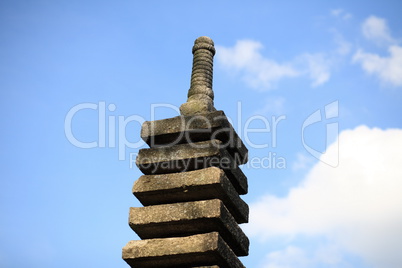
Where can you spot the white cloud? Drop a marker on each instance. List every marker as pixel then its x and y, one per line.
pixel 343 47
pixel 317 67
pixel 376 29
pixel 263 73
pixel 336 12
pixel 289 257
pixel 340 13
pixel 387 69
pixel 303 161
pixel 356 206
pixel 257 71
pixel 326 256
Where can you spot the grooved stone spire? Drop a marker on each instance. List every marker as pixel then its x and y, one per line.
pixel 192 184
pixel 200 95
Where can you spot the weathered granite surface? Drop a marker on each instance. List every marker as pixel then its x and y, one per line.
pixel 198 250
pixel 189 218
pixel 188 129
pixel 202 184
pixel 200 95
pixel 192 183
pixel 187 157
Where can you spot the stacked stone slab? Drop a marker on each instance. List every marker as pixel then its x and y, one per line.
pixel 191 187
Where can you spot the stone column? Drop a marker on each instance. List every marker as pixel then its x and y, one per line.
pixel 191 187
pixel 200 95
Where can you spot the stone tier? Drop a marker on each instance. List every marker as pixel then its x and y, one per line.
pixel 189 129
pixel 203 184
pixel 188 157
pixel 202 250
pixel 189 218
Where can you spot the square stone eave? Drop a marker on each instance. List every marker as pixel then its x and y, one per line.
pixel 189 218
pixel 191 251
pixel 202 184
pixel 189 129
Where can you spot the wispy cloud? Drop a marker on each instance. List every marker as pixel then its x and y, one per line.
pixel 351 206
pixel 376 29
pixel 272 106
pixel 387 69
pixel 316 66
pixel 343 47
pixel 340 13
pixel 261 72
pixel 257 71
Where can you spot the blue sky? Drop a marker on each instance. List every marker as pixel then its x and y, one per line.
pixel 66 206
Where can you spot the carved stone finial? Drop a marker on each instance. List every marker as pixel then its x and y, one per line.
pixel 200 95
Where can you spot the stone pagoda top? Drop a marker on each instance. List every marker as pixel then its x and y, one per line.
pixel 200 95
